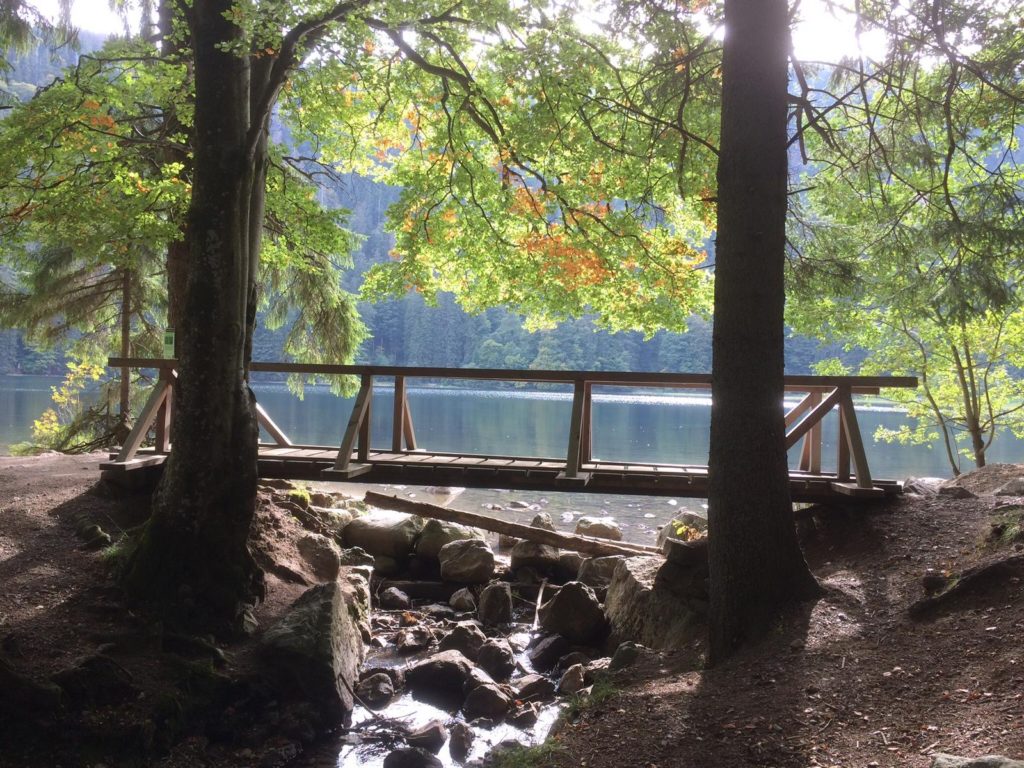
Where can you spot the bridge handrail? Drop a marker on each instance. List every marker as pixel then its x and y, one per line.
pixel 793 382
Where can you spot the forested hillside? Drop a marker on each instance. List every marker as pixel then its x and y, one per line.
pixel 407 331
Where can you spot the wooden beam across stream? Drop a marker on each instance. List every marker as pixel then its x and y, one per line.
pixel 587 545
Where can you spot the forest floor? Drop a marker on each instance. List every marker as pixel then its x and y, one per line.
pixel 850 680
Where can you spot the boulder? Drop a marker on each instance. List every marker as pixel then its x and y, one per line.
pixel 411 757
pixel 599 527
pixel 386 565
pixel 527 554
pixel 315 649
pixel 461 741
pixel 956 492
pixel 1014 487
pixel 321 555
pixel 575 614
pixel 443 679
pixel 941 760
pixel 597 572
pixel 436 534
pixel 395 674
pixel 658 609
pixel 569 564
pixel 496 658
pixel 394 599
pixel 684 522
pixel 487 700
pixel 96 680
pixel 625 655
pixel 414 639
pixel 542 520
pixel 466 638
pixel 534 688
pixel 572 680
pixel 384 533
pixel 376 690
pixel 496 604
pixel 923 486
pixel 462 600
pixel 467 561
pixel 507 542
pixel 526 716
pixel 334 519
pixel 546 653
pixel 430 737
pixel 355 556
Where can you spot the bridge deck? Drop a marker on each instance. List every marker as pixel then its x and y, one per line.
pixel 579 470
pixel 420 468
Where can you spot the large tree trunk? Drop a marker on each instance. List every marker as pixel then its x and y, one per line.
pixel 193 556
pixel 756 566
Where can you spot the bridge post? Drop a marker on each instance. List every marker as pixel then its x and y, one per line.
pixel 360 414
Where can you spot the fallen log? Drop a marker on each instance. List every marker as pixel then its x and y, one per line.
pixel 587 545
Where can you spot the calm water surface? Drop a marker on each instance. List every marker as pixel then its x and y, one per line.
pixel 657 427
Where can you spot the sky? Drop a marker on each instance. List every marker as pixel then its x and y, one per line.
pixel 819 37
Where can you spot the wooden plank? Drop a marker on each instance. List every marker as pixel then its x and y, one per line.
pixel 842 450
pixel 587 436
pixel 585 544
pixel 853 440
pixel 398 415
pixel 816 414
pixel 136 463
pixel 810 453
pixel 857 491
pixel 141 428
pixel 574 454
pixel 360 410
pixel 798 410
pixel 351 471
pixel 275 432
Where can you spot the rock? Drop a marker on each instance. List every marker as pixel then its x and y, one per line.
pixel 542 520
pixel 575 613
pixel 442 679
pixel 461 740
pixel 414 639
pixel 335 519
pixel 381 532
pixel 516 504
pixel 430 737
pixel 320 499
pixel 496 658
pixel 355 556
pixel 576 657
pixel 534 688
pixel 660 610
pixel 321 555
pixel 411 757
pixel 597 572
pixel 569 564
pixel 462 600
pixel 599 527
pixel 385 565
pixel 596 669
pixel 526 716
pixel 487 700
pixel 1013 488
pixel 941 760
pixel 466 638
pixel 438 611
pixel 25 698
pixel 527 554
pixel 496 604
pixel 436 534
pixel 572 681
pixel 625 656
pixel 687 522
pixel 376 690
pixel 394 599
pixel 922 486
pixel 545 654
pixel 956 492
pixel 507 542
pixel 315 649
pixel 468 561
pixel 97 680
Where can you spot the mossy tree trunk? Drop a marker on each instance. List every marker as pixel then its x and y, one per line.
pixel 756 565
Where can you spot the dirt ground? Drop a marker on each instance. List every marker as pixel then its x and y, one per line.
pixel 849 681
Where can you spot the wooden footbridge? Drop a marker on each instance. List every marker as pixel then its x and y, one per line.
pixel 354 458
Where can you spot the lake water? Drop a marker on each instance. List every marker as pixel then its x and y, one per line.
pixel 655 427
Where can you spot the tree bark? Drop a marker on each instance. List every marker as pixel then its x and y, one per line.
pixel 193 558
pixel 756 566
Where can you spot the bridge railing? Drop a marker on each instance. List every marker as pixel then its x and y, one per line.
pixel 820 396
